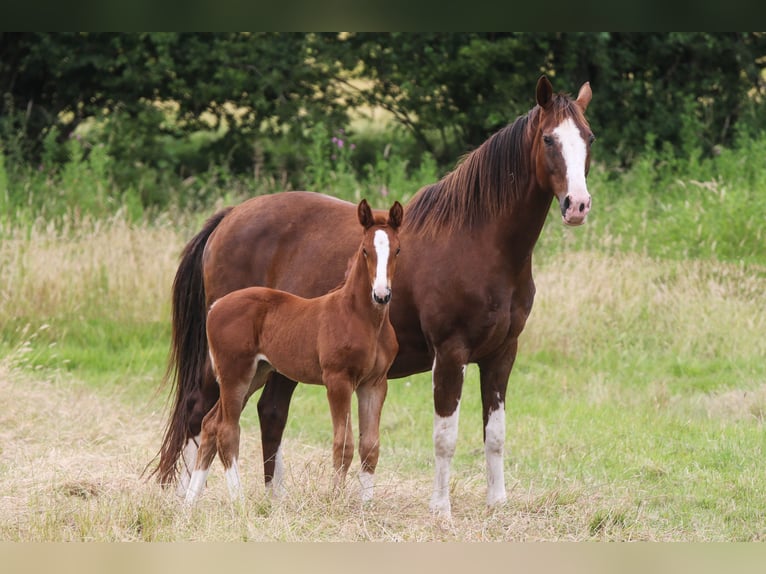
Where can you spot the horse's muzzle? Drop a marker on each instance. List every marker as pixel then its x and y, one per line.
pixel 574 209
pixel 382 300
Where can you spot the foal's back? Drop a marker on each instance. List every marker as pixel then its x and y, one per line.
pixel 259 323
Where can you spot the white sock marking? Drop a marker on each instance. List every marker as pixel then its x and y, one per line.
pixel 188 461
pixel 367 479
pixel 233 482
pixel 276 486
pixel 493 452
pixel 445 440
pixel 196 485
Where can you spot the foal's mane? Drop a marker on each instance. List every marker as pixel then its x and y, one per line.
pixel 486 181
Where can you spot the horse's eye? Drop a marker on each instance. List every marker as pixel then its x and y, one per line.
pixel 591 139
pixel 548 140
pixel 398 249
pixel 364 252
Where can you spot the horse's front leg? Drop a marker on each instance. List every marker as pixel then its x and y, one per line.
pixel 494 373
pixel 339 391
pixel 370 397
pixel 448 373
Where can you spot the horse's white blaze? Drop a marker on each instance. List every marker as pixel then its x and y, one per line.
pixel 233 482
pixel 367 479
pixel 494 440
pixel 574 151
pixel 380 286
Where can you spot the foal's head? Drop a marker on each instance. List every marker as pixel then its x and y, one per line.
pixel 380 246
pixel 562 149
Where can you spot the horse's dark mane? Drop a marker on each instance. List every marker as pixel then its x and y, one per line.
pixel 487 181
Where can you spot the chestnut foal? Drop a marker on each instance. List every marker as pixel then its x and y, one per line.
pixel 342 340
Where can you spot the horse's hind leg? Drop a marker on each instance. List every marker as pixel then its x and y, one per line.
pixel 205 454
pixel 370 398
pixel 199 405
pixel 273 407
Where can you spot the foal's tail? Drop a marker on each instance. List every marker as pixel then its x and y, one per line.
pixel 188 353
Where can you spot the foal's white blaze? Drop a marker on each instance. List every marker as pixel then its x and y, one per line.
pixel 494 440
pixel 380 286
pixel 574 152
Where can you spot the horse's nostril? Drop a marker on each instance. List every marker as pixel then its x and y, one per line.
pixel 582 207
pixel 382 300
pixel 567 202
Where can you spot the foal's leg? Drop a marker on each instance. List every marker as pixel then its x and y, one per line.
pixel 448 374
pixel 339 391
pixel 370 398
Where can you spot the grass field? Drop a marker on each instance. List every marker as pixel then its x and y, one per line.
pixel 635 410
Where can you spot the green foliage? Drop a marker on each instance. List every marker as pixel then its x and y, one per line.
pixel 174 105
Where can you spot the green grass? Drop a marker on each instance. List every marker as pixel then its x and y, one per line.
pixel 635 410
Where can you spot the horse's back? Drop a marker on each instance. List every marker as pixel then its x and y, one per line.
pixel 298 242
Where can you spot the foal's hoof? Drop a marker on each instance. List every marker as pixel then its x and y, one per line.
pixel 496 499
pixel 441 507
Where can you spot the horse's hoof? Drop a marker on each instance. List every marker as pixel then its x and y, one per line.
pixel 441 507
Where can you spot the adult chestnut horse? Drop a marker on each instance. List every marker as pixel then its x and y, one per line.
pixel 463 288
pixel 343 340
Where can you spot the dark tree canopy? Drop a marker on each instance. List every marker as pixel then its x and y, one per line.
pixel 448 90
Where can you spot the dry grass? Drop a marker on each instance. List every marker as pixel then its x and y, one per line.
pixel 603 338
pixel 96 266
pixel 73 460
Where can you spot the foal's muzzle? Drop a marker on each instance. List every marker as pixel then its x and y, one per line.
pixel 382 300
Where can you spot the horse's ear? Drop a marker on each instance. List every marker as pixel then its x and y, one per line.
pixel 584 96
pixel 365 214
pixel 395 215
pixel 544 92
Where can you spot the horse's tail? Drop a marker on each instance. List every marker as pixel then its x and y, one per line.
pixel 188 352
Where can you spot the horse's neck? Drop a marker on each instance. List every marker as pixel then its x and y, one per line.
pixel 522 225
pixel 356 292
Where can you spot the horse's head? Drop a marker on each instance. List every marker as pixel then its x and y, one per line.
pixel 562 149
pixel 380 246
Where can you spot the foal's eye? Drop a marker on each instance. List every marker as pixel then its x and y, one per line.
pixel 398 249
pixel 548 140
pixel 364 252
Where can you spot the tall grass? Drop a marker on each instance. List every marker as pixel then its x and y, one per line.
pixel 635 409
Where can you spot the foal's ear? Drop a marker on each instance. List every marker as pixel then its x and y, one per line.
pixel 584 96
pixel 544 92
pixel 395 215
pixel 365 214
